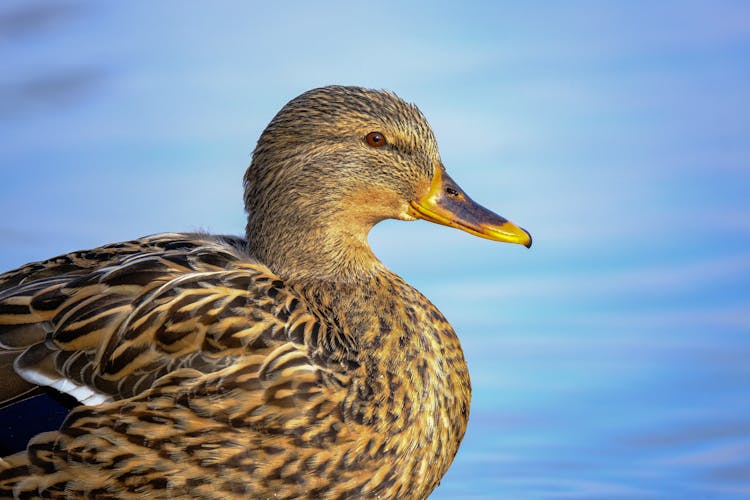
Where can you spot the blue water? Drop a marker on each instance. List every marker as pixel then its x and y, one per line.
pixel 602 387
pixel 608 361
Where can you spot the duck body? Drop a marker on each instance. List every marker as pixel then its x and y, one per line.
pixel 283 390
pixel 290 363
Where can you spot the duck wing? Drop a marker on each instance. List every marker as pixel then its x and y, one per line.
pixel 190 357
pixel 106 324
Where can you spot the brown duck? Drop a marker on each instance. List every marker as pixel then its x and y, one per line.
pixel 291 363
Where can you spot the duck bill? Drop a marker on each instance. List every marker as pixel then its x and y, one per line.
pixel 447 204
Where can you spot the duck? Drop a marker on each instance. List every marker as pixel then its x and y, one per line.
pixel 288 363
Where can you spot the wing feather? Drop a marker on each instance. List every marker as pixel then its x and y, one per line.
pixel 116 321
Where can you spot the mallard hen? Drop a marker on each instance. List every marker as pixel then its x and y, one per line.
pixel 291 363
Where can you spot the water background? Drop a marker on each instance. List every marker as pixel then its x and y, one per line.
pixel 612 360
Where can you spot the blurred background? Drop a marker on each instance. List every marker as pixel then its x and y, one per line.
pixel 612 360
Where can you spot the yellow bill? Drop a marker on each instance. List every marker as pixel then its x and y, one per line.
pixel 447 204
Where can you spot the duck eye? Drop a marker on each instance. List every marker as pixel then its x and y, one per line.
pixel 375 139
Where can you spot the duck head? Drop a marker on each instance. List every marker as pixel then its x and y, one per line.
pixel 334 162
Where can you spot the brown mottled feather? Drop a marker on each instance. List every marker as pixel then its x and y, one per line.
pixel 234 371
pixel 291 364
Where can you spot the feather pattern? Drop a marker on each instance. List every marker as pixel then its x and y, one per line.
pixel 196 361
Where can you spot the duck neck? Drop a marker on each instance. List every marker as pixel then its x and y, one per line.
pixel 322 249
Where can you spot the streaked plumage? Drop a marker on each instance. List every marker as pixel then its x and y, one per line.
pixel 290 363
